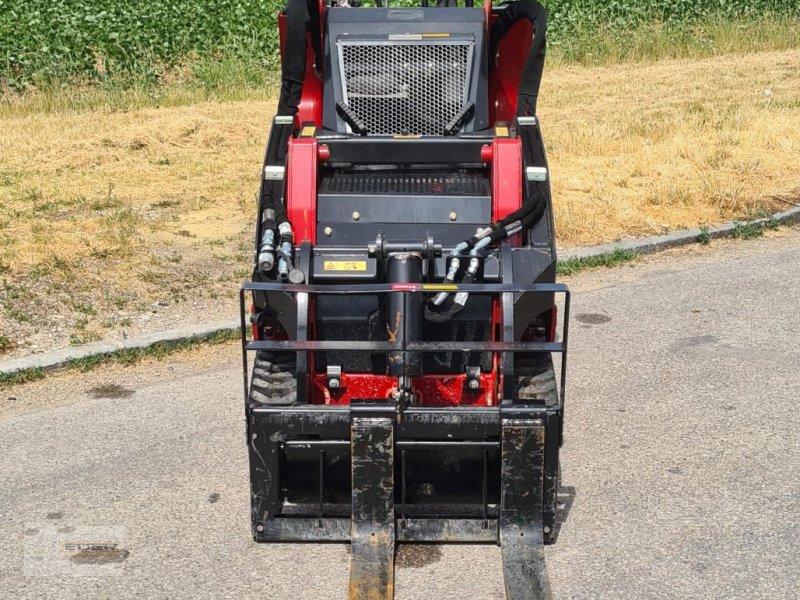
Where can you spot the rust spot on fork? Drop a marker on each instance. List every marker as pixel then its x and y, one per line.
pixel 372 567
pixel 393 334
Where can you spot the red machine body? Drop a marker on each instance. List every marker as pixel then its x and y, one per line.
pixel 505 157
pixel 402 307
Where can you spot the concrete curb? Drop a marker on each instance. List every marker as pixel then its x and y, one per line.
pixel 59 358
pixel 677 238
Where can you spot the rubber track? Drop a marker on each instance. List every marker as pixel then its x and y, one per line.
pixel 274 381
pixel 536 378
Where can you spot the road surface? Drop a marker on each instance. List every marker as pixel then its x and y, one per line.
pixel 681 463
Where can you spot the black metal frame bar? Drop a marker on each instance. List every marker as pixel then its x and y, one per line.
pixel 324 428
pixel 302 345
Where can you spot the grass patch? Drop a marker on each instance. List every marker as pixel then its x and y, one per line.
pixel 705 36
pixel 23 376
pixel 11 303
pixel 6 344
pixel 79 338
pixel 611 259
pixel 748 230
pixel 157 351
pixel 122 357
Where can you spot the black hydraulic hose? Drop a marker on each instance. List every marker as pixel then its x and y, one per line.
pixel 271 199
pixel 535 203
pixel 315 30
pixel 451 307
pixel 525 216
pixel 531 79
pixel 293 69
pixel 272 190
pixel 528 214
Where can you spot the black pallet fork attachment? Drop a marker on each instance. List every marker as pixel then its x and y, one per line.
pixel 379 432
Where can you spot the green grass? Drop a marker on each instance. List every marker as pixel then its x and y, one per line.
pixel 708 36
pixel 610 259
pixel 236 78
pixel 158 351
pixel 23 376
pixel 748 230
pixel 6 343
pixel 216 49
pixel 123 357
pixel 742 230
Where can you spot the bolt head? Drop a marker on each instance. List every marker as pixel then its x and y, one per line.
pixel 328 231
pixel 356 215
pixel 333 383
pixel 260 528
pixel 453 216
pixel 546 529
pixel 474 384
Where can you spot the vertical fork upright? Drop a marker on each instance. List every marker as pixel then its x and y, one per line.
pixel 521 536
pixel 373 523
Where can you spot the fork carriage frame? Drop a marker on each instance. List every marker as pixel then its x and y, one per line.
pixel 376 436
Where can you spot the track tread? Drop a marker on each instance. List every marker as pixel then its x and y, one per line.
pixel 535 378
pixel 274 380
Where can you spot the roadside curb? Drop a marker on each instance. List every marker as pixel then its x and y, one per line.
pixel 60 358
pixel 683 237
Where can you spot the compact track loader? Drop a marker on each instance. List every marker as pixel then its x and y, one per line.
pixel 399 377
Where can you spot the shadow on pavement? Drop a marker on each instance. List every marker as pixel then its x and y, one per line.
pixel 566 497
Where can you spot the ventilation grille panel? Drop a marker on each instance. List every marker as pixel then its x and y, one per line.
pixel 422 183
pixel 406 88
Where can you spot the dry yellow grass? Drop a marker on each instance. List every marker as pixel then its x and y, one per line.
pixel 639 149
pixel 105 209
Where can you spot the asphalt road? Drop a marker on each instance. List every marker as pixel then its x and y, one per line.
pixel 682 459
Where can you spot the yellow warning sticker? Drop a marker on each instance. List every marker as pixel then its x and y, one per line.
pixel 435 35
pixel 308 131
pixel 439 287
pixel 501 131
pixel 345 265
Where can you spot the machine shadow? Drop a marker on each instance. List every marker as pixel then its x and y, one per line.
pixel 566 498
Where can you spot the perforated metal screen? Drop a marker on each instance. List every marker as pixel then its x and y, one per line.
pixel 406 88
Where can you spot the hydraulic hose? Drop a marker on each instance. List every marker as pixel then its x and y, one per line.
pixel 301 16
pixel 531 79
pixel 456 305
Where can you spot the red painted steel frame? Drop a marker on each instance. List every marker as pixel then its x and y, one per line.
pixel 504 78
pixel 506 177
pixel 301 188
pixel 431 389
pixel 506 69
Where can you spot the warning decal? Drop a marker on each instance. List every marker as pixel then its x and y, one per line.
pixel 345 265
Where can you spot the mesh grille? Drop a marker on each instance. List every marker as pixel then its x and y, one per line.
pixel 410 89
pixel 428 183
